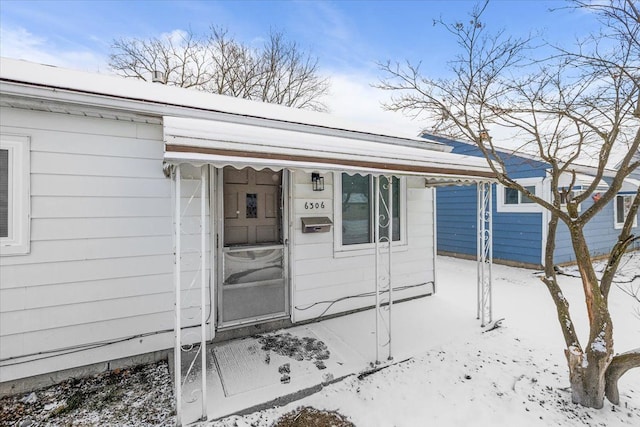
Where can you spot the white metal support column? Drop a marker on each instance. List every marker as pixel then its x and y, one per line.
pixel 383 210
pixel 484 252
pixel 203 288
pixel 177 347
pixel 390 236
pixel 194 331
pixel 376 233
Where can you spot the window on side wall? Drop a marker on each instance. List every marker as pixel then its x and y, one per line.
pixel 14 194
pixel 511 200
pixel 621 208
pixel 565 196
pixel 357 198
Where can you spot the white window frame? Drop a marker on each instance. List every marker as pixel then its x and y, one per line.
pixel 618 225
pixel 576 191
pixel 341 250
pixel 19 213
pixel 520 207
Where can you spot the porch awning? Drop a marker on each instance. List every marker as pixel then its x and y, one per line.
pixel 222 144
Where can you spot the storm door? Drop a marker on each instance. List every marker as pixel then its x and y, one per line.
pixel 253 285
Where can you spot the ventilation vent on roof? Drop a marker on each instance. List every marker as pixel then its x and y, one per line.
pixel 157 77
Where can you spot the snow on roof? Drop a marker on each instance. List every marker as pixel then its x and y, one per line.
pixel 24 72
pixel 583 168
pixel 242 145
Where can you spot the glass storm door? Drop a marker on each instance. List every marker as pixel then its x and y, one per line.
pixel 253 283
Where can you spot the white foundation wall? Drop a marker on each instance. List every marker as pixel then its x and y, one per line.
pixel 322 274
pixel 100 267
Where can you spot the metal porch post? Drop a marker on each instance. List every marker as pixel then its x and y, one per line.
pixel 203 291
pixel 484 252
pixel 376 183
pixel 177 363
pixel 380 269
pixel 390 234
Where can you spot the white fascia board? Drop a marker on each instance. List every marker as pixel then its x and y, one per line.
pixel 582 180
pixel 630 185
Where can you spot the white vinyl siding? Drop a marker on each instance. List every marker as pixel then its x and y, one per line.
pixel 14 194
pixel 100 266
pixel 321 274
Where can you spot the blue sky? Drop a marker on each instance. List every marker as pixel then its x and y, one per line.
pixel 348 37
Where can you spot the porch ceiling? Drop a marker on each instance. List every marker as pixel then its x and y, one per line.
pixel 222 144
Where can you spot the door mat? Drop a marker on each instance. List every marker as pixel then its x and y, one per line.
pixel 273 359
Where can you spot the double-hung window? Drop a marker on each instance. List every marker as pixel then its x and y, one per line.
pixel 514 197
pixel 358 197
pixel 511 200
pixel 14 194
pixel 621 208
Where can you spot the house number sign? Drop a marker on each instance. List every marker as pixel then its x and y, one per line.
pixel 313 205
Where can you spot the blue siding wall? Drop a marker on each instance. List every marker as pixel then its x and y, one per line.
pixel 600 233
pixel 457 219
pixel 516 236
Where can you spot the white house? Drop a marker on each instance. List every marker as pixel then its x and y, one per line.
pixel 280 206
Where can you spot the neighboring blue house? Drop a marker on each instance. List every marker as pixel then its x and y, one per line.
pixel 519 225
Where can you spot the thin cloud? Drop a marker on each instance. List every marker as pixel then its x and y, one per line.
pixel 20 43
pixel 352 96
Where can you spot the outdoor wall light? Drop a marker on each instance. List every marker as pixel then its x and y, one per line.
pixel 317 181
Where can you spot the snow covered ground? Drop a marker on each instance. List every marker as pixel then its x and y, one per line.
pixel 513 375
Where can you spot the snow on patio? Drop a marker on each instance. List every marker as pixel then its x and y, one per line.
pixel 457 375
pixel 514 375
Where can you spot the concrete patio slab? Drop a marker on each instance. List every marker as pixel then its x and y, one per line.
pixel 248 374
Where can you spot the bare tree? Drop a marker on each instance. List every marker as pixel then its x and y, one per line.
pixel 278 72
pixel 571 104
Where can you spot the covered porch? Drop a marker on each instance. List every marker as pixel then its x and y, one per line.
pixel 240 380
pixel 199 150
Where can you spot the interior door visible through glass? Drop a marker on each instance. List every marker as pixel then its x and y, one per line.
pixel 253 257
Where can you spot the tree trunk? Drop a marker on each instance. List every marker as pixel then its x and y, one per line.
pixel 618 367
pixel 587 377
pixel 587 368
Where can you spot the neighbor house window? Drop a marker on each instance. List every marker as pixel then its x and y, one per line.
pixel 566 196
pixel 621 209
pixel 511 200
pixel 14 194
pixel 514 197
pixel 358 204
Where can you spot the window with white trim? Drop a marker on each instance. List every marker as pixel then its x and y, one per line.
pixel 621 208
pixel 14 194
pixel 569 195
pixel 511 200
pixel 356 197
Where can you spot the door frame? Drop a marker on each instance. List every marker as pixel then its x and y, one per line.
pixel 217 255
